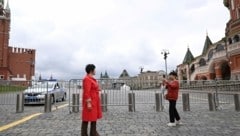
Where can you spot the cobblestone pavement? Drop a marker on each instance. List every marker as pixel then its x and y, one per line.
pixel 119 122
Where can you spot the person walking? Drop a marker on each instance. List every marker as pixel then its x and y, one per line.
pixel 91 105
pixel 172 95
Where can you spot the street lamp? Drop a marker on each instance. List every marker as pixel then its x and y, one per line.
pixel 165 54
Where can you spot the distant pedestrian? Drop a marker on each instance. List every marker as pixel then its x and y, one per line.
pixel 91 111
pixel 172 95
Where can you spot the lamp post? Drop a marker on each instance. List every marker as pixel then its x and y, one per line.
pixel 165 54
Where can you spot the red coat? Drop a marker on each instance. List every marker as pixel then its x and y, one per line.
pixel 173 89
pixel 91 90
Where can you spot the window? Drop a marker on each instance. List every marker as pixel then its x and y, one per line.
pixel 210 54
pixel 238 13
pixel 229 40
pixel 232 4
pixel 236 38
pixel 192 68
pixel 219 47
pixel 202 62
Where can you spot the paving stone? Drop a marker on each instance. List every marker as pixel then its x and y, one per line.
pixel 119 122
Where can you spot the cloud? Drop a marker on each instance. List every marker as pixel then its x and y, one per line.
pixel 113 34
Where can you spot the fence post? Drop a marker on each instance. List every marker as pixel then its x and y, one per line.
pixel 104 102
pixel 237 102
pixel 75 102
pixel 186 102
pixel 131 102
pixel 212 105
pixel 159 102
pixel 48 103
pixel 20 103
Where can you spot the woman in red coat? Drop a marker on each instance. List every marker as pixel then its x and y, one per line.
pixel 91 104
pixel 172 95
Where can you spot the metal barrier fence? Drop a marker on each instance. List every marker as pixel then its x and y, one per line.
pixel 74 95
pixel 217 94
pixel 11 98
pixel 31 95
pixel 195 95
pixel 113 93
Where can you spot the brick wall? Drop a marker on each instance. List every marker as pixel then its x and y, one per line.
pixel 22 62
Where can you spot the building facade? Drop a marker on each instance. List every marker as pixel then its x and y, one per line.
pixel 15 63
pixel 150 79
pixel 144 80
pixel 220 60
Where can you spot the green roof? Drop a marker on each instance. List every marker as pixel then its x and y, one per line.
pixel 226 3
pixel 124 73
pixel 188 57
pixel 207 44
pixel 2 2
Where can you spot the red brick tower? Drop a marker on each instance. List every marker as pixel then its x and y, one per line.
pixel 4 39
pixel 15 63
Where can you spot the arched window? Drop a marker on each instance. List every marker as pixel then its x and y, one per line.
pixel 202 62
pixel 226 71
pixel 229 40
pixel 236 38
pixel 203 78
pixel 192 69
pixel 210 54
pixel 219 47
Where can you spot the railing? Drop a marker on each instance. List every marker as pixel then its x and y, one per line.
pixel 234 47
pixel 219 54
pixel 221 94
pixel 31 95
pixel 115 94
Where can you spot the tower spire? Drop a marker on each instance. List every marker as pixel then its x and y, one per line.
pixel 7 9
pixel 2 2
pixel 188 57
pixel 7 6
pixel 1 7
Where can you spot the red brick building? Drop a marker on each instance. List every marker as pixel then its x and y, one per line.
pixel 15 63
pixel 220 60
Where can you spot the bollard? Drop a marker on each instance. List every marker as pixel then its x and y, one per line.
pixel 159 102
pixel 212 105
pixel 75 102
pixel 186 102
pixel 131 102
pixel 104 102
pixel 20 103
pixel 237 102
pixel 48 103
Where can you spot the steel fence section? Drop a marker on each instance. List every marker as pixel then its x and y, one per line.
pixel 31 94
pixel 145 99
pixel 116 97
pixel 8 94
pixel 115 93
pixel 223 91
pixel 197 100
pixel 74 89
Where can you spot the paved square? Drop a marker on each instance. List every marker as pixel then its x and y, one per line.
pixel 119 122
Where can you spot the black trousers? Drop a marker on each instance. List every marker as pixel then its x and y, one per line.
pixel 173 113
pixel 84 129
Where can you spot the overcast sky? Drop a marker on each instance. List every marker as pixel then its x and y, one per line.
pixel 113 34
